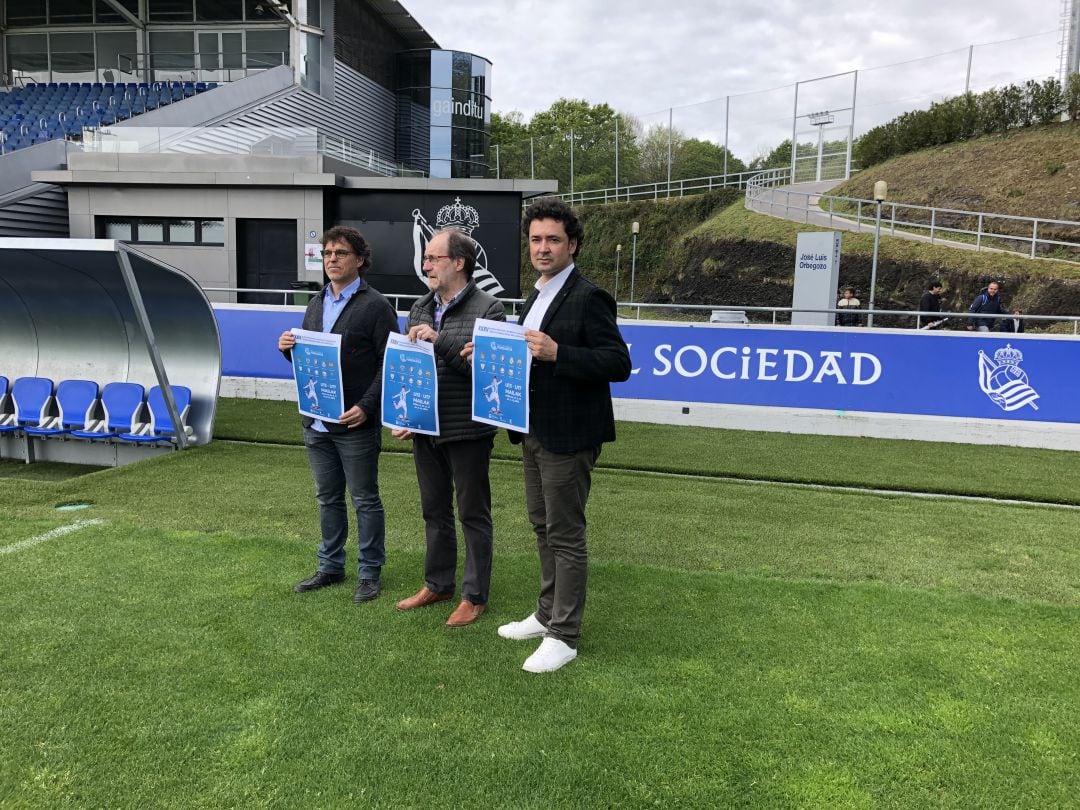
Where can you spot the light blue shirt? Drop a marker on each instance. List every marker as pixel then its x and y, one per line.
pixel 440 307
pixel 332 306
pixel 331 309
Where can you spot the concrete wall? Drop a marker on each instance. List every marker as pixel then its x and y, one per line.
pixel 210 266
pixel 228 187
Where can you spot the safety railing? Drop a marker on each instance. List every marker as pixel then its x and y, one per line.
pixel 215 66
pixel 339 148
pixel 1038 237
pixel 715 313
pixel 654 191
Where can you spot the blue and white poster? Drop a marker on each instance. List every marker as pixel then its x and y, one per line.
pixel 316 360
pixel 500 375
pixel 410 386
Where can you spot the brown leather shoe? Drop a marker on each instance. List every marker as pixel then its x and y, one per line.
pixel 422 598
pixel 465 613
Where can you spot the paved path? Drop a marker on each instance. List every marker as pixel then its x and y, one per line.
pixel 799 203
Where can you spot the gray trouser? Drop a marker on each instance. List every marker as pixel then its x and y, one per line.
pixel 440 470
pixel 556 492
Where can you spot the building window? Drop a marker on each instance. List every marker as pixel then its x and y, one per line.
pixel 161 231
pixel 27 12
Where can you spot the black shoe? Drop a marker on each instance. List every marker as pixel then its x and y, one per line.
pixel 320 579
pixel 367 590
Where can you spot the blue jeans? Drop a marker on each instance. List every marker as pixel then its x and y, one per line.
pixel 340 460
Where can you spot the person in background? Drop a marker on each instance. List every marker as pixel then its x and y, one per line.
pixel 848 301
pixel 1013 324
pixel 931 302
pixel 987 302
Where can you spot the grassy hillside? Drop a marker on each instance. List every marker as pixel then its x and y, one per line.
pixel 1031 172
pixel 710 250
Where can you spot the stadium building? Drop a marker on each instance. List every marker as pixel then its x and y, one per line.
pixel 221 137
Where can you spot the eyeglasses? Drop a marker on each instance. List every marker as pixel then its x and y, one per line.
pixel 429 259
pixel 329 254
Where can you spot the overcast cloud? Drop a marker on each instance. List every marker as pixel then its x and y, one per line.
pixel 643 57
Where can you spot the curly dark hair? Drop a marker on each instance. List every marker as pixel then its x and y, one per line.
pixel 460 246
pixel 554 208
pixel 355 239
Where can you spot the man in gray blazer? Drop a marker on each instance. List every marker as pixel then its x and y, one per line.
pixel 346 453
pixel 458 458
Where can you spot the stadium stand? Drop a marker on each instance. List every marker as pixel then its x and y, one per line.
pixel 42 112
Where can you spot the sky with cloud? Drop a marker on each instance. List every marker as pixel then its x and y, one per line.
pixel 728 68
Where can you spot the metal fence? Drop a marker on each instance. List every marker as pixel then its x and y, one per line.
pixel 698 313
pixel 822 115
pixel 1034 237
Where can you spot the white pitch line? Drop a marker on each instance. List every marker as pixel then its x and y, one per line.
pixel 52 534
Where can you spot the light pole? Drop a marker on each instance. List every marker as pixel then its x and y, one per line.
pixel 634 228
pixel 881 190
pixel 618 254
pixel 819 120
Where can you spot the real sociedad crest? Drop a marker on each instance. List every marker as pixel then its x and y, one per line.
pixel 464 218
pixel 1004 381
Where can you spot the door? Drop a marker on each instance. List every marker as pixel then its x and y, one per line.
pixel 266 258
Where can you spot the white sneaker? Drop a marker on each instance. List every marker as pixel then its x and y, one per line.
pixel 528 627
pixel 551 655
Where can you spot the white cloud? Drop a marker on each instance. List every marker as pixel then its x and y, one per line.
pixel 643 57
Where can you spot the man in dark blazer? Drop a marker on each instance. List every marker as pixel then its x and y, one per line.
pixel 346 453
pixel 577 352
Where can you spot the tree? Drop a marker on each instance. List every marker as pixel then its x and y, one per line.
pixel 779 157
pixel 592 128
pixel 697 158
pixel 690 157
pixel 654 154
pixel 510 134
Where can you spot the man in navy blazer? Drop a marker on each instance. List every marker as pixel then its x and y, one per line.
pixel 577 352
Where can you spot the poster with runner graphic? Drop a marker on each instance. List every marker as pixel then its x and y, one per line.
pixel 410 386
pixel 500 375
pixel 316 360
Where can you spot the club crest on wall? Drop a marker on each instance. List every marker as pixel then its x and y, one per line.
pixel 1004 381
pixel 464 218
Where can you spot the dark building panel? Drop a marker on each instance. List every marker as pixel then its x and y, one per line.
pixel 364 42
pixel 398 225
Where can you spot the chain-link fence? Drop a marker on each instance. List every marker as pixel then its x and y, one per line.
pixel 822 116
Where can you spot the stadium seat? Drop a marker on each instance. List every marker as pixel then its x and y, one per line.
pixel 122 405
pixel 160 428
pixel 77 401
pixel 5 402
pixel 32 397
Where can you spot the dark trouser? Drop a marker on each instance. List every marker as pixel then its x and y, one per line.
pixel 440 469
pixel 340 460
pixel 556 492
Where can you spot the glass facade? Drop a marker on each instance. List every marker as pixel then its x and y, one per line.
pixel 217 40
pixel 444 112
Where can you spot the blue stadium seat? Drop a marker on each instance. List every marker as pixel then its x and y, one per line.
pixel 122 405
pixel 5 401
pixel 160 428
pixel 77 401
pixel 32 397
